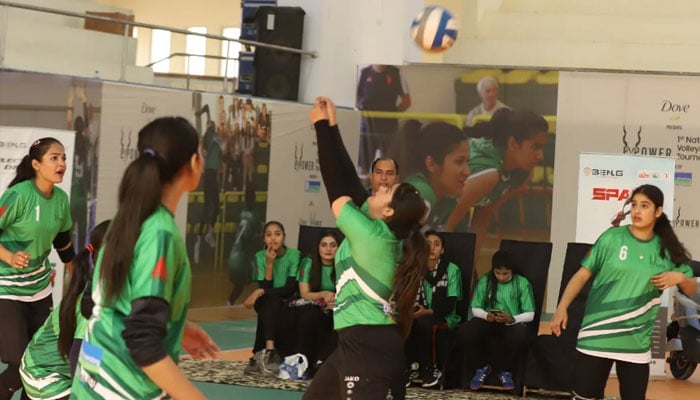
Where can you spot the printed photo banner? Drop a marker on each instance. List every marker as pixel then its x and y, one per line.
pixel 14 145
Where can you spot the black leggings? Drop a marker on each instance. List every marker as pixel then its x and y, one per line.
pixel 492 343
pixel 421 345
pixel 21 321
pixel 366 364
pixel 315 336
pixel 591 374
pixel 276 321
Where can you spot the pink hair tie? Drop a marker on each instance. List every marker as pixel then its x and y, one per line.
pixel 90 248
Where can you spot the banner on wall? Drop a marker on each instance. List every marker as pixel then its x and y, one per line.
pixel 14 145
pixel 606 182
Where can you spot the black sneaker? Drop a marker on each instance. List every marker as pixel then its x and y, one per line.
pixel 431 376
pixel 412 374
pixel 254 364
pixel 271 362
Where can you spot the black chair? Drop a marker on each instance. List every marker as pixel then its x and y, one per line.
pixel 459 249
pixel 309 235
pixel 531 260
pixel 549 365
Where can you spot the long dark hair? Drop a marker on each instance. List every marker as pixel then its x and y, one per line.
pixel 506 123
pixel 409 210
pixel 500 259
pixel 82 274
pixel 662 227
pixel 436 139
pixel 25 171
pixel 316 263
pixel 165 146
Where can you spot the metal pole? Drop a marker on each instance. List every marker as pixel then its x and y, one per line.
pixel 3 32
pixel 225 88
pixel 125 42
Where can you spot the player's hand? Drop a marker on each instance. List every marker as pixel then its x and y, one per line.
pixel 559 320
pixel 667 279
pixel 250 300
pixel 330 106
pixel 504 318
pixel 318 111
pixel 197 343
pixel 20 259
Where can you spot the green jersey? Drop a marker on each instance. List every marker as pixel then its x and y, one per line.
pixel 45 374
pixel 440 210
pixel 327 283
pixel 623 304
pixel 159 268
pixel 285 266
pixel 515 296
pixel 365 264
pixel 212 145
pixel 485 156
pixel 452 280
pixel 30 221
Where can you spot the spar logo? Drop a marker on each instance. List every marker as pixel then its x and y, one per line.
pixel 615 194
pixel 632 141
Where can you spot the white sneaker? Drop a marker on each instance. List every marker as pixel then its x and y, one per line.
pixel 210 239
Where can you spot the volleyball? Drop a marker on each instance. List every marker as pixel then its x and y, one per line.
pixel 434 29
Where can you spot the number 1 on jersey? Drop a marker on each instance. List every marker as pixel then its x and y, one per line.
pixel 37 208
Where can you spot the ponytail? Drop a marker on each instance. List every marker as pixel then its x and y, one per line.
pixel 139 196
pixel 82 275
pixel 25 171
pixel 408 277
pixel 669 241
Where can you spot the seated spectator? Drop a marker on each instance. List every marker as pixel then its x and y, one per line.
pixel 436 309
pixel 316 338
pixel 275 270
pixel 502 307
pixel 488 91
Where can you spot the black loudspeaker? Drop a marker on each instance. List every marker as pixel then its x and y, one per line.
pixel 277 72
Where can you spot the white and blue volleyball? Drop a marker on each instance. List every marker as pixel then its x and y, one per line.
pixel 434 29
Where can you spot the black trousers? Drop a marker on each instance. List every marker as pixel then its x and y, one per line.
pixel 492 343
pixel 276 321
pixel 591 373
pixel 316 338
pixel 421 345
pixel 366 364
pixel 20 321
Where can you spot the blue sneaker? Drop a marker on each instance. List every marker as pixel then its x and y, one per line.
pixel 479 378
pixel 506 380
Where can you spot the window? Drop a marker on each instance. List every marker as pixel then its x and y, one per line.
pixel 233 49
pixel 196 45
pixel 160 49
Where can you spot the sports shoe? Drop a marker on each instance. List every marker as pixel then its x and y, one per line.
pixel 412 374
pixel 211 240
pixel 479 378
pixel 271 362
pixel 431 376
pixel 254 364
pixel 506 380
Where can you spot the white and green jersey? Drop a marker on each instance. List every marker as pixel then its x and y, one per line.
pixel 159 268
pixel 623 304
pixel 45 374
pixel 453 282
pixel 515 296
pixel 485 156
pixel 285 266
pixel 365 264
pixel 29 222
pixel 327 283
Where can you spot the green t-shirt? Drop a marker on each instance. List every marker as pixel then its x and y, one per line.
pixel 365 264
pixel 515 296
pixel 285 266
pixel 327 283
pixel 485 155
pixel 45 374
pixel 623 304
pixel 439 210
pixel 453 281
pixel 160 268
pixel 29 222
pixel 212 144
